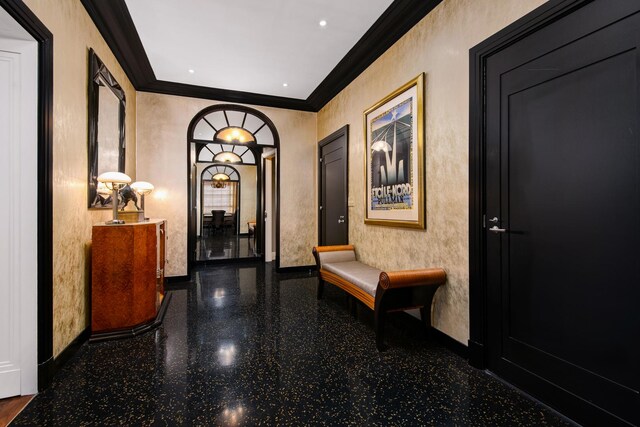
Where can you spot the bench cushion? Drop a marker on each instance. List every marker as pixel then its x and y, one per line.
pixel 361 275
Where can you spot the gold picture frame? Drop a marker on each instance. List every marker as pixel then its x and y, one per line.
pixel 394 158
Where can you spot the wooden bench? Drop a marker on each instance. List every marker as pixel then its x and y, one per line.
pixel 381 291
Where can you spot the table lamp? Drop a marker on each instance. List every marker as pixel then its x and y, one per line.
pixel 114 181
pixel 142 188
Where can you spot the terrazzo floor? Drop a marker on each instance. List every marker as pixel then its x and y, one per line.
pixel 245 346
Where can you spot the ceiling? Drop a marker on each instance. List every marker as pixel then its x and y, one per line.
pixel 273 53
pixel 251 45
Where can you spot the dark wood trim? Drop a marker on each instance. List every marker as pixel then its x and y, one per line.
pixel 71 349
pixel 48 369
pixel 116 26
pixel 178 279
pixel 450 343
pixel 30 22
pixel 343 131
pixel 395 22
pixel 310 269
pixel 540 17
pixel 138 330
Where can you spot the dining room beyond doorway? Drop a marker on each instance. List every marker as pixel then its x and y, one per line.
pixel 227 205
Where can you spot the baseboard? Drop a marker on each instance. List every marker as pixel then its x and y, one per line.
pixel 298 269
pixel 450 343
pixel 60 360
pixel 129 333
pixel 476 355
pixel 178 279
pixel 46 371
pixel 72 348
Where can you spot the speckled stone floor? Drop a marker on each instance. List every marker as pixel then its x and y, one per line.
pixel 245 346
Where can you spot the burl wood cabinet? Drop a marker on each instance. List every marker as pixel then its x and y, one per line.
pixel 127 278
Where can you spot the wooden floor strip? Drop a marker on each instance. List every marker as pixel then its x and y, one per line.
pixel 11 407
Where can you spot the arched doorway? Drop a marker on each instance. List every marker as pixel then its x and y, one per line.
pixel 235 135
pixel 220 213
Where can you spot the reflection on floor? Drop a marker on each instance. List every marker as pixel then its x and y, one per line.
pixel 242 345
pixel 224 245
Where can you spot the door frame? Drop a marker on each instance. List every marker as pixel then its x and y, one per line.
pixel 30 22
pixel 269 155
pixel 343 131
pixel 191 216
pixel 478 290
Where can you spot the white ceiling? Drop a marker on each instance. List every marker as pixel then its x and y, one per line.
pixel 251 45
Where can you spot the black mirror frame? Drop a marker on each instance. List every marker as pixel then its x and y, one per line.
pixel 98 70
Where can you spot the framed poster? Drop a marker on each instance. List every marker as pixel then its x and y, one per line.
pixel 394 158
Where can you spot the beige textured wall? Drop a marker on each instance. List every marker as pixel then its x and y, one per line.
pixel 73 34
pixel 162 160
pixel 248 193
pixel 439 46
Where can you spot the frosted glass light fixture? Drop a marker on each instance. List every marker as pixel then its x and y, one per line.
pixel 235 135
pixel 227 157
pixel 114 181
pixel 142 188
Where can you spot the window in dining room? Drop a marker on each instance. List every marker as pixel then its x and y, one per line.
pixel 220 196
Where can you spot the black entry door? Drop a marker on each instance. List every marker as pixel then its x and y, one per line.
pixel 563 213
pixel 333 189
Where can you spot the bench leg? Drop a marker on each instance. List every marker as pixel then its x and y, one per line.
pixel 379 316
pixel 320 288
pixel 425 316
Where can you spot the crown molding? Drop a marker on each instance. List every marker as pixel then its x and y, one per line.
pixel 116 26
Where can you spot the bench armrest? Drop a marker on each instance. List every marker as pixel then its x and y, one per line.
pixel 411 278
pixel 317 249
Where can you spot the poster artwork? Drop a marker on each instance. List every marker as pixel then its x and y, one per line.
pixel 391 158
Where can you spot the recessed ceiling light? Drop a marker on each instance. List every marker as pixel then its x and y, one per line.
pixel 191 71
pixel 322 23
pixel 285 84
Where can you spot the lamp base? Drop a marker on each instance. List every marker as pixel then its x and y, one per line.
pixel 131 216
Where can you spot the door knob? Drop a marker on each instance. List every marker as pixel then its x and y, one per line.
pixel 340 221
pixel 497 230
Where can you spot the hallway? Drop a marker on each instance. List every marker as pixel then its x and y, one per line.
pixel 246 346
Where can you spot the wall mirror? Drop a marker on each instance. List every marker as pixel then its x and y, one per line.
pixel 106 129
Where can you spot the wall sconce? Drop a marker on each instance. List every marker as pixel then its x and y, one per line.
pixel 114 181
pixel 142 188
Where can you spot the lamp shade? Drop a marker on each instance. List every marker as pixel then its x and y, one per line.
pixel 114 177
pixel 142 187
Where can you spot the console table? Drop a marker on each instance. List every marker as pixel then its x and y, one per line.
pixel 127 278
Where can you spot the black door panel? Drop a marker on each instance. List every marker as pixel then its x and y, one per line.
pixel 563 181
pixel 334 225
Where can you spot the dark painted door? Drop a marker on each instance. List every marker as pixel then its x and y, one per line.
pixel 563 213
pixel 333 191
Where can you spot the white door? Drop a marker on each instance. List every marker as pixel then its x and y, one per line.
pixel 268 209
pixel 18 217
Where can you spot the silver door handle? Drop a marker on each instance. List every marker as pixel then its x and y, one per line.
pixel 497 230
pixel 340 221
